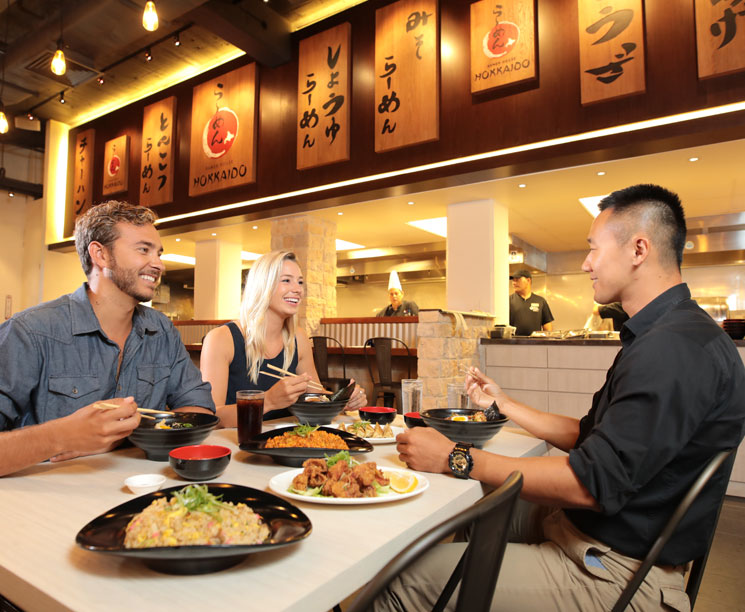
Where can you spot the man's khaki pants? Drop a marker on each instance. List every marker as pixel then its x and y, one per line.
pixel 545 568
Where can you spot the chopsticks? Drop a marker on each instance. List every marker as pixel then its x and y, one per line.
pixel 110 406
pixel 311 383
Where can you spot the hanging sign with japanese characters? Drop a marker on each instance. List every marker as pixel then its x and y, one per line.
pixel 115 165
pixel 407 75
pixel 611 49
pixel 156 164
pixel 503 48
pixel 323 98
pixel 82 184
pixel 223 132
pixel 720 36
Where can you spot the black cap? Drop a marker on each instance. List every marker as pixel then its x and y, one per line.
pixel 521 273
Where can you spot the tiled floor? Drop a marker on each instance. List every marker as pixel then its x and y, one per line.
pixel 723 586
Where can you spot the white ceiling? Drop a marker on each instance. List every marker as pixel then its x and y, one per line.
pixel 545 213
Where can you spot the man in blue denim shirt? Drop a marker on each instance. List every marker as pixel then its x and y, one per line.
pixel 58 359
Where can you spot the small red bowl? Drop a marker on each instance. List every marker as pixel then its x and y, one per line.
pixel 378 414
pixel 199 461
pixel 414 419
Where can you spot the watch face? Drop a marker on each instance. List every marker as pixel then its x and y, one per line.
pixel 460 462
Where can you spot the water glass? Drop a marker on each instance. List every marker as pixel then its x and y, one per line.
pixel 250 409
pixel 411 392
pixel 457 396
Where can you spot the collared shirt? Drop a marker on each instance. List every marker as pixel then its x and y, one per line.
pixel 406 309
pixel 55 359
pixel 529 315
pixel 674 397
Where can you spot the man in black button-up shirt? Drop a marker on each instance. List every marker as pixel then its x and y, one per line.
pixel 673 398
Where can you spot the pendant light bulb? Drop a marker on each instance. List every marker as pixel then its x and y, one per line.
pixel 59 65
pixel 150 17
pixel 3 123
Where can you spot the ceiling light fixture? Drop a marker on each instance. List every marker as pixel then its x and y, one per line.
pixel 249 256
pixel 62 97
pixel 11 194
pixel 340 213
pixel 148 55
pixel 30 116
pixel 601 173
pixel 177 39
pixel 438 225
pixel 4 127
pixel 522 185
pixel 693 159
pixel 255 227
pixel 345 245
pixel 410 203
pixel 150 17
pixel 99 79
pixel 59 65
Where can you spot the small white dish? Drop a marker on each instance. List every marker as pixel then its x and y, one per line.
pixel 140 484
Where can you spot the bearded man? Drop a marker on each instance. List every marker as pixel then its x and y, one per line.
pixel 59 359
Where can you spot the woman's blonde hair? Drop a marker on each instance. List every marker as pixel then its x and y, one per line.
pixel 261 282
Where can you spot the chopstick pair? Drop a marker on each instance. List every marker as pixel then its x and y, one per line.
pixel 110 406
pixel 311 383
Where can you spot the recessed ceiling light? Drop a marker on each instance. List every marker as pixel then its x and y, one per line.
pixel 255 227
pixel 178 239
pixel 522 185
pixel 345 245
pixel 591 204
pixel 410 203
pixel 11 194
pixel 249 256
pixel 340 213
pixel 438 225
pixel 601 173
pixel 184 259
pixel 692 159
pixel 214 234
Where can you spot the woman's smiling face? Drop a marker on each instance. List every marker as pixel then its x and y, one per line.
pixel 289 291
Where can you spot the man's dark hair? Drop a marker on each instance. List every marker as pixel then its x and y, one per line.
pixel 98 224
pixel 658 210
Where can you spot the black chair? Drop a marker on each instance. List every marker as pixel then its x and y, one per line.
pixel 699 564
pixel 479 566
pixel 381 358
pixel 321 361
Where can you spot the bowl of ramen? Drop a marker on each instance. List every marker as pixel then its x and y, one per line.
pixel 199 461
pixel 463 424
pixel 316 409
pixel 159 436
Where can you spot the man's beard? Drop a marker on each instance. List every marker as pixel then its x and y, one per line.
pixel 126 282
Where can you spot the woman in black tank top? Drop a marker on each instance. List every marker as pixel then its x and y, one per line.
pixel 235 354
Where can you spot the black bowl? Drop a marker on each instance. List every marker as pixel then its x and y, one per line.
pixel 157 443
pixel 477 433
pixel 735 334
pixel 315 413
pixel 378 414
pixel 199 461
pixel 414 419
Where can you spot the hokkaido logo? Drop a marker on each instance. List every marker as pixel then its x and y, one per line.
pixel 220 133
pixel 501 39
pixel 114 165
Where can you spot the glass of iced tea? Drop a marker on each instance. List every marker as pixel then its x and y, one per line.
pixel 250 407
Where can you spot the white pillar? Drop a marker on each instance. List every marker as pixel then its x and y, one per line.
pixel 217 280
pixel 478 258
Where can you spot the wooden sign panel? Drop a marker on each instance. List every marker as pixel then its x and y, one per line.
pixel 82 184
pixel 115 165
pixel 611 49
pixel 503 48
pixel 323 98
pixel 407 74
pixel 720 37
pixel 157 163
pixel 223 132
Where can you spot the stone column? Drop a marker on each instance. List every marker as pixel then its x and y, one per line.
pixel 217 280
pixel 313 241
pixel 478 258
pixel 448 342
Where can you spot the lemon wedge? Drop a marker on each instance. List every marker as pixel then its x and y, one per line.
pixel 402 482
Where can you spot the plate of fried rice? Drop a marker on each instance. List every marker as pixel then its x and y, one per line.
pixel 293 445
pixel 196 529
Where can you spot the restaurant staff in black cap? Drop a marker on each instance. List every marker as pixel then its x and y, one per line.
pixel 528 312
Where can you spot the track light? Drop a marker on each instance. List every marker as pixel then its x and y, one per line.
pixel 150 17
pixel 62 97
pixel 30 116
pixel 148 55
pixel 177 40
pixel 99 79
pixel 59 65
pixel 11 194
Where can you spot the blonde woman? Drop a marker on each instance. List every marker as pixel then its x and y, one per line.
pixel 234 354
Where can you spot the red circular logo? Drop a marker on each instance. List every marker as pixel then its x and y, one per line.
pixel 114 165
pixel 501 39
pixel 220 133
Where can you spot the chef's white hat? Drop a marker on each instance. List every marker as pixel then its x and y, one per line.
pixel 393 282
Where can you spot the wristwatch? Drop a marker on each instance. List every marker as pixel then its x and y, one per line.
pixel 460 461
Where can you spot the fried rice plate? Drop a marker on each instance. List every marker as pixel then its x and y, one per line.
pixel 169 523
pixel 315 439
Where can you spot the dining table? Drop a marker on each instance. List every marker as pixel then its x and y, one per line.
pixel 43 507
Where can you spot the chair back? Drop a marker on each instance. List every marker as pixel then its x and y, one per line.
pixel 479 567
pixel 697 569
pixel 381 358
pixel 321 356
